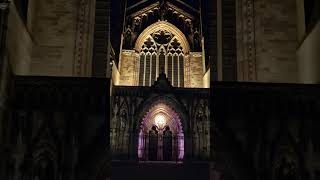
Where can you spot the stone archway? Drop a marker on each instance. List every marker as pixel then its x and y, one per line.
pixel 161 127
pixel 174 118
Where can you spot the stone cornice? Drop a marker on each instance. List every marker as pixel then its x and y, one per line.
pixel 139 91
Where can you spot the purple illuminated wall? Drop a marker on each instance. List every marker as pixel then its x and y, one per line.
pixel 172 120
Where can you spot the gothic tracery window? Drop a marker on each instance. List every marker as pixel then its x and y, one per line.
pixel 161 52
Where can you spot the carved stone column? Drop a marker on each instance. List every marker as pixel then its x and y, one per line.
pixel 101 40
pixel 84 38
pixel 246 51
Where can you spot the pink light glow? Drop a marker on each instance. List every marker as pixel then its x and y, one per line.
pixel 171 119
pixel 140 145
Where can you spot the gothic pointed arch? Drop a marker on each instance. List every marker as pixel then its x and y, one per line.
pixel 45 155
pixel 157 28
pixel 170 110
pixel 169 100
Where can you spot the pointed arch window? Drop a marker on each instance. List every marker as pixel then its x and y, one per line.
pixel 161 52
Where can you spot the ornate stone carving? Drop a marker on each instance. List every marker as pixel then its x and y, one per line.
pixel 246 39
pixel 156 28
pixel 249 4
pixel 162 36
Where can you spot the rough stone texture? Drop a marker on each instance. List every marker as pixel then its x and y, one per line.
pixel 115 75
pixel 65 119
pixel 127 68
pixel 84 39
pixel 19 43
pixel 246 51
pixel 276 40
pixel 308 55
pixel 206 79
pixel 53 31
pixel 209 11
pixel 196 70
pixel 101 40
pixel 301 26
pixel 129 106
pixel 228 43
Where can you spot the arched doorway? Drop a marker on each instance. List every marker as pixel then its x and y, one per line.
pixel 161 136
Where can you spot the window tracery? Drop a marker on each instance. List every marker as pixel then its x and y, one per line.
pixel 161 52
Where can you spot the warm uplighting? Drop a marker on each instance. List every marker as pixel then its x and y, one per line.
pixel 160 121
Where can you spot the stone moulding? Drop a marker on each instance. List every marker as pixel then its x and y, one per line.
pixel 162 25
pixel 246 33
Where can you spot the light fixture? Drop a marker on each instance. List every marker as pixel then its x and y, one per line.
pixel 160 121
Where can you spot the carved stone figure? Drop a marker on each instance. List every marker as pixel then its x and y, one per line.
pixel 128 38
pixel 136 25
pixel 123 119
pixel 162 9
pixel 196 40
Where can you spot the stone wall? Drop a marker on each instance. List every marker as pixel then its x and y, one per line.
pixel 61 118
pixel 258 124
pixel 128 68
pixel 196 70
pixel 129 105
pixel 267 40
pixel 308 56
pixel 276 40
pixel 53 28
pixel 206 79
pixel 19 43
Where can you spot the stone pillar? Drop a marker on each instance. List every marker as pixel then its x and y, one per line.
pixel 246 50
pixel 228 42
pixel 101 42
pixel 3 71
pixel 188 148
pixel 3 34
pixel 3 30
pixel 196 69
pixel 127 69
pixel 308 55
pixel 209 24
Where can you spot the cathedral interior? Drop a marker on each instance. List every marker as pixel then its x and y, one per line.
pixel 159 89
